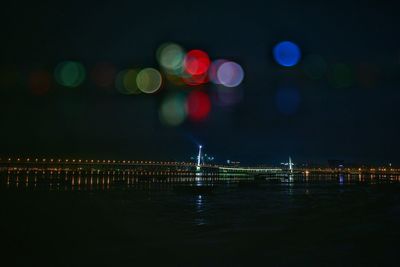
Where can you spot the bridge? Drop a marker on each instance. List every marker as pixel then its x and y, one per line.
pixel 135 167
pixel 250 170
pixel 141 167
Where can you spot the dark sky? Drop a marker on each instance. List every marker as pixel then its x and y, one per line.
pixel 357 123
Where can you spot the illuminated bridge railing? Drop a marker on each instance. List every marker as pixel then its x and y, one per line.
pixel 79 164
pixel 249 170
pixel 124 165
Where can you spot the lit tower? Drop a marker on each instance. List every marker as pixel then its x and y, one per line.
pixel 290 165
pixel 199 159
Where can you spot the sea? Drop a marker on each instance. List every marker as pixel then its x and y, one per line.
pixel 114 220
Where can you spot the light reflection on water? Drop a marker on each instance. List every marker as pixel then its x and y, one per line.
pixel 200 220
pixel 76 181
pixel 341 179
pixel 192 187
pixel 262 220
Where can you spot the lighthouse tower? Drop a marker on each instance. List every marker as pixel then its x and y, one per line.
pixel 290 165
pixel 199 159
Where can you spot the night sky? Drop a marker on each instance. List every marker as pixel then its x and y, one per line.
pixel 355 120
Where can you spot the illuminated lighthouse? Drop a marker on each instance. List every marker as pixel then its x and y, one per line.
pixel 199 159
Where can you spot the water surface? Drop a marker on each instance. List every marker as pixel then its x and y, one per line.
pixel 314 221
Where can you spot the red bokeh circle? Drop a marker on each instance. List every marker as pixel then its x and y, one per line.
pixel 40 82
pixel 196 62
pixel 198 105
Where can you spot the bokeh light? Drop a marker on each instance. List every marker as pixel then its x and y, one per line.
pixel 196 62
pixel 195 79
pixel 70 74
pixel 287 54
pixel 315 66
pixel 149 80
pixel 125 82
pixel 341 76
pixel 287 100
pixel 212 72
pixel 230 74
pixel 174 79
pixel 129 81
pixel 170 56
pixel 119 82
pixel 103 75
pixel 172 111
pixel 226 97
pixel 39 82
pixel 198 105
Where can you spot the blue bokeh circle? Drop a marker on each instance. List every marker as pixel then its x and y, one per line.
pixel 287 54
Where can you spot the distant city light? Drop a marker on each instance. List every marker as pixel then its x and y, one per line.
pixel 149 80
pixel 70 73
pixel 230 74
pixel 287 54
